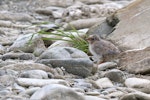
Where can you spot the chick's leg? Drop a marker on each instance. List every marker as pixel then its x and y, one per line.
pixel 100 59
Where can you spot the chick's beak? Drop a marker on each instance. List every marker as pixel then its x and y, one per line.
pixel 87 39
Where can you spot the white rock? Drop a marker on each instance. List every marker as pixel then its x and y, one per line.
pixel 127 36
pixel 38 74
pixel 106 65
pixel 93 98
pixel 115 75
pixel 116 94
pixel 132 82
pixel 39 82
pixel 60 43
pixel 57 3
pixel 30 91
pixel 104 83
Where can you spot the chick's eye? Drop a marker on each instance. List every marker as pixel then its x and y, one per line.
pixel 92 38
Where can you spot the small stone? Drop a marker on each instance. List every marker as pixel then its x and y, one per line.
pixel 16 16
pixel 39 82
pixel 30 91
pixel 57 14
pixel 38 74
pixel 82 84
pixel 2 49
pixel 107 65
pixel 115 94
pixel 60 43
pixel 28 43
pixel 11 72
pixel 20 56
pixel 5 92
pixel 14 97
pixel 108 91
pixel 93 93
pixel 115 75
pixel 44 11
pixel 79 90
pixel 7 80
pixel 48 26
pixel 93 98
pixel 18 88
pixel 2 72
pixel 82 23
pixel 104 83
pixel 132 82
pixel 58 3
pixel 7 62
pixel 27 66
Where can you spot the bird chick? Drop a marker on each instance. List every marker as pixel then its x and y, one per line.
pixel 101 49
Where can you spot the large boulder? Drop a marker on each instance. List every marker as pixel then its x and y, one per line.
pixel 62 53
pixel 128 27
pixel 71 59
pixel 21 56
pixel 80 66
pixel 136 96
pixel 56 92
pixel 132 31
pixel 139 84
pixel 136 61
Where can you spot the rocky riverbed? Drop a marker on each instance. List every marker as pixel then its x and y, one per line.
pixel 35 68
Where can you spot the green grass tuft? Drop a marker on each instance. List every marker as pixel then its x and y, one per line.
pixel 77 41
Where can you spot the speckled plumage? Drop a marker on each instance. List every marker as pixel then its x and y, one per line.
pixel 101 49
